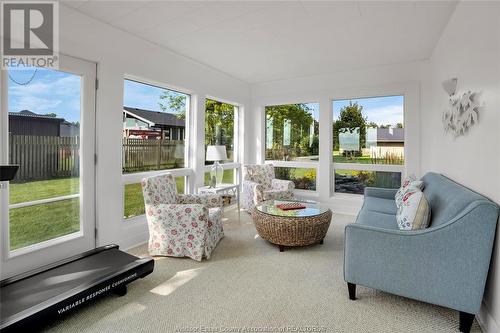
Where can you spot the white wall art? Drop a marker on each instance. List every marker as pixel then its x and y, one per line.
pixel 463 109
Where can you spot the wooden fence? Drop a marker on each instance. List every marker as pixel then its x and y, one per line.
pixel 47 157
pixel 151 154
pixel 44 157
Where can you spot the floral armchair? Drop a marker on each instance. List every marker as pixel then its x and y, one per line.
pixel 260 185
pixel 181 225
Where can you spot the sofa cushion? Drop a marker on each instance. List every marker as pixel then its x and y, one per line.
pixel 409 183
pixel 377 219
pixel 414 212
pixel 447 198
pixel 381 205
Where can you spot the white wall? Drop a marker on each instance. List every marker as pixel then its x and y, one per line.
pixel 395 79
pixel 469 49
pixel 118 54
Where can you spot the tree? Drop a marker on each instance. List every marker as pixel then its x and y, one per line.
pixel 298 118
pixel 350 118
pixel 219 123
pixel 173 101
pixel 52 114
pixel 372 124
pixel 399 125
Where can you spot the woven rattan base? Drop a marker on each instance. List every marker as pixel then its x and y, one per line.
pixel 292 231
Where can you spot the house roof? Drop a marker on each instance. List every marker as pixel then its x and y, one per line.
pixel 155 117
pixel 390 134
pixel 27 113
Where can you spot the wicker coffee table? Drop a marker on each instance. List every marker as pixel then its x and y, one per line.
pixel 292 227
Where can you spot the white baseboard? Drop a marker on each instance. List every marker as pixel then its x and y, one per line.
pixel 487 323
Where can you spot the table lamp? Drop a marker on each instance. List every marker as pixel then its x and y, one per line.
pixel 216 154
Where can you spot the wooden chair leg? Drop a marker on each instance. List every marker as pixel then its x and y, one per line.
pixel 466 320
pixel 352 291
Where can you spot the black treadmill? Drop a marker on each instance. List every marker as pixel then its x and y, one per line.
pixel 30 300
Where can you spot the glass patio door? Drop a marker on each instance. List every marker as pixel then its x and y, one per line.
pixel 48 129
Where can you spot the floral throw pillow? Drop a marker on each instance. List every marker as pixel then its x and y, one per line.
pixel 408 183
pixel 414 212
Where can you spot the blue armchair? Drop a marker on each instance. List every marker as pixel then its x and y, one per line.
pixel 445 264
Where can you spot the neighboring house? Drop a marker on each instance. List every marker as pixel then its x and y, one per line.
pixel 375 137
pixel 385 137
pixel 26 122
pixel 152 124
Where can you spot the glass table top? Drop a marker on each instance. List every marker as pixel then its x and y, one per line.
pixel 312 208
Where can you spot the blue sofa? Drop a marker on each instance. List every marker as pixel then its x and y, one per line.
pixel 445 264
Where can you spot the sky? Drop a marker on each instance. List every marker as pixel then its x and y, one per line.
pixel 49 92
pixel 59 92
pixel 381 110
pixel 142 96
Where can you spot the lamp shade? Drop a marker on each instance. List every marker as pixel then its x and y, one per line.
pixel 216 153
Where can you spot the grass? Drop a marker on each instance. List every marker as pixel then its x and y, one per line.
pixel 38 223
pixel 31 191
pixel 35 224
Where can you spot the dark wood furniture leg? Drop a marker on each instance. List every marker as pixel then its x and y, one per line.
pixel 352 291
pixel 466 320
pixel 321 242
pixel 282 248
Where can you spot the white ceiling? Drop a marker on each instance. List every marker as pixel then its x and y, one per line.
pixel 260 41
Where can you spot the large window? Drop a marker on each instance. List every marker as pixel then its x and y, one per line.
pixel 292 142
pixel 221 130
pixel 154 128
pixel 44 140
pixel 220 126
pixel 154 136
pixel 368 143
pixel 292 132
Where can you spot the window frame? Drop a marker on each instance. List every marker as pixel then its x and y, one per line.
pixel 237 151
pixel 293 164
pixel 401 168
pixel 187 171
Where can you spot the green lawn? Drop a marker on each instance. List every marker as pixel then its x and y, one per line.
pixel 31 191
pixel 34 224
pixel 365 159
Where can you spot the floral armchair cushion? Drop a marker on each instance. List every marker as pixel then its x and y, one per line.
pixel 260 185
pixel 260 174
pixel 159 190
pixel 181 225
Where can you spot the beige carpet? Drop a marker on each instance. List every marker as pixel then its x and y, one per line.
pixel 249 286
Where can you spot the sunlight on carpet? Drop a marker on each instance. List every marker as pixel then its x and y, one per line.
pixel 179 279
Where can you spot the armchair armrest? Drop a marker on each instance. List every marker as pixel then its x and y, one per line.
pixel 378 192
pixel 210 200
pixel 252 190
pixel 446 265
pixel 283 185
